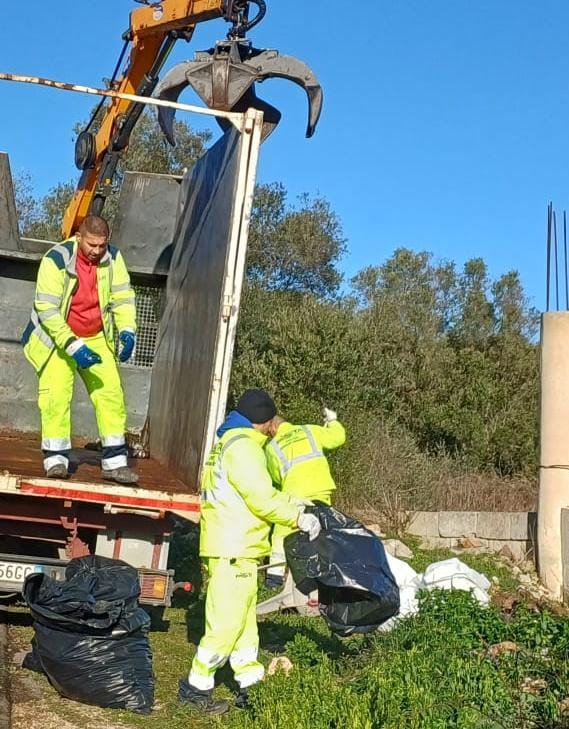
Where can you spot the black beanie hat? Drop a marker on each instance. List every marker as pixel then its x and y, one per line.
pixel 257 405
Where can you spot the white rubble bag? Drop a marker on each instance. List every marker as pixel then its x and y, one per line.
pixel 452 574
pixel 408 582
pixel 449 574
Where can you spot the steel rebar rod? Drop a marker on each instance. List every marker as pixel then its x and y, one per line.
pixel 548 253
pixel 556 261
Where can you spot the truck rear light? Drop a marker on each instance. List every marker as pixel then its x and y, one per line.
pixel 153 587
pixel 185 586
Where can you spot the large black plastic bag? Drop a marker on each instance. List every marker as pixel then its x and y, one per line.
pixel 91 636
pixel 347 565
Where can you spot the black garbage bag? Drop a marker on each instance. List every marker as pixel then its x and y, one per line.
pixel 347 565
pixel 91 636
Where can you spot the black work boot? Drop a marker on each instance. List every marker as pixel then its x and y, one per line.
pixel 201 700
pixel 123 475
pixel 242 699
pixel 59 470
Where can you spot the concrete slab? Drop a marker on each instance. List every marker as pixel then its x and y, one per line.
pixel 517 549
pixel 424 524
pixel 396 548
pixel 457 523
pixel 519 525
pixel 493 525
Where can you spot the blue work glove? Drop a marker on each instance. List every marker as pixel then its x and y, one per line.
pixel 127 340
pixel 81 353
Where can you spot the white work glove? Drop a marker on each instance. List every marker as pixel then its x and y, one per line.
pixel 329 416
pixel 298 501
pixel 309 524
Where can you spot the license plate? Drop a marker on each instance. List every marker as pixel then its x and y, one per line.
pixel 17 571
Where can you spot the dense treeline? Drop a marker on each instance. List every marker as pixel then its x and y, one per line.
pixel 433 369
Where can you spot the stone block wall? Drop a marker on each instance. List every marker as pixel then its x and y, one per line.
pixel 485 531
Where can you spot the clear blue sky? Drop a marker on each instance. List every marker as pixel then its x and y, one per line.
pixel 445 127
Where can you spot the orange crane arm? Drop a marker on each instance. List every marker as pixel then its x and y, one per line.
pixel 152 34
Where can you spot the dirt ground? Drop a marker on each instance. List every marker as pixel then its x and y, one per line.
pixel 35 704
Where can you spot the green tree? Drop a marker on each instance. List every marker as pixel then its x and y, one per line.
pixel 404 311
pixel 48 218
pixel 295 249
pixel 26 203
pixel 303 349
pixel 513 313
pixel 474 323
pixel 454 359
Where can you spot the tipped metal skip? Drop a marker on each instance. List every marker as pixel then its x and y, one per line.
pixel 224 78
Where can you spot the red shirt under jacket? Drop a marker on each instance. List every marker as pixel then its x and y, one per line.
pixel 84 316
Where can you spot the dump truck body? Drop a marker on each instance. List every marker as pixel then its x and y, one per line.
pixel 184 241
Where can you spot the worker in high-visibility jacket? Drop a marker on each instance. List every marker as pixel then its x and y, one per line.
pixel 83 293
pixel 238 507
pixel 298 466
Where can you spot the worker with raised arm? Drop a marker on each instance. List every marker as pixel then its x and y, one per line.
pixel 83 294
pixel 238 507
pixel 298 466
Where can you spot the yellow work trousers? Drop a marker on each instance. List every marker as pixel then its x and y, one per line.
pixel 230 624
pixel 278 556
pixel 55 391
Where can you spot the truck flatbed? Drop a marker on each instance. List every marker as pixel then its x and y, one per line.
pixel 21 471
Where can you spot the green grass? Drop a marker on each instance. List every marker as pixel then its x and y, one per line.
pixel 433 671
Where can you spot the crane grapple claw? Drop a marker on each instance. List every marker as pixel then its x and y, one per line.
pixel 224 78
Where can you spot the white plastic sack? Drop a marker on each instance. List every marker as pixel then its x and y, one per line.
pixel 408 582
pixel 452 574
pixel 449 574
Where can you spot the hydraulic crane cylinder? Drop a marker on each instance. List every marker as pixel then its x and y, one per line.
pixel 554 463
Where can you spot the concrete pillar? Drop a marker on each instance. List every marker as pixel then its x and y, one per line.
pixel 554 471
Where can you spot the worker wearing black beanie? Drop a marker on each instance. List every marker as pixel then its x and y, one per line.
pixel 238 507
pixel 257 405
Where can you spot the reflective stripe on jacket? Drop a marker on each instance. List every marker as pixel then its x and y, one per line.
pixel 238 501
pixel 296 459
pixel 56 283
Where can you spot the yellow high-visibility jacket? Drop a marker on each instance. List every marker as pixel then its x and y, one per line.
pixel 296 459
pixel 57 279
pixel 238 501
